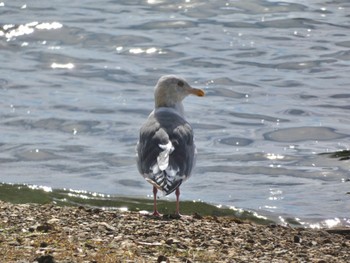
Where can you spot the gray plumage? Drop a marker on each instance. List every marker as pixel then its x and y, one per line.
pixel 165 150
pixel 164 126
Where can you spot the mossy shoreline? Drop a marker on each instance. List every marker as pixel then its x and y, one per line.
pixel 19 194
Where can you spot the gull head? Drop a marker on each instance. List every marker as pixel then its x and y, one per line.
pixel 171 90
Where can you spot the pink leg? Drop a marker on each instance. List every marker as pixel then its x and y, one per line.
pixel 177 193
pixel 155 211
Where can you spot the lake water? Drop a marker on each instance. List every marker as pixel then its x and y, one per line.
pixel 77 82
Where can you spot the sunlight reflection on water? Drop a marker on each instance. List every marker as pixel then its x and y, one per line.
pixel 78 81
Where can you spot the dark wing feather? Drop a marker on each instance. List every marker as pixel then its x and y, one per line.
pixel 159 129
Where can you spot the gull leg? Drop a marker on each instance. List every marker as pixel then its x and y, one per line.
pixel 155 211
pixel 177 193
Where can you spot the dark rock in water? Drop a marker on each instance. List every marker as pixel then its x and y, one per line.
pixel 342 155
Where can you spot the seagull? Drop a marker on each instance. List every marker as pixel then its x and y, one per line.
pixel 166 152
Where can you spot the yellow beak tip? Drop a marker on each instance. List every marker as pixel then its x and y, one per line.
pixel 198 92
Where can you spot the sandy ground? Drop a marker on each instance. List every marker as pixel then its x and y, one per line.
pixel 50 233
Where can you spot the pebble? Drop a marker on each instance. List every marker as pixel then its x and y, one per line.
pixel 163 259
pixel 297 239
pixel 71 234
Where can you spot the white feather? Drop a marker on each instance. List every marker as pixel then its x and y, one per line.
pixel 163 157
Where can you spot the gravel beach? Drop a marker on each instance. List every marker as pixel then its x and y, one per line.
pixel 50 233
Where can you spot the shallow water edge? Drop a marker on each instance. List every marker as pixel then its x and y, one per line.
pixel 21 193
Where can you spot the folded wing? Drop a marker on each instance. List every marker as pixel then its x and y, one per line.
pixel 166 151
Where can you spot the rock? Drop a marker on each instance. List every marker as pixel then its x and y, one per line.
pixel 171 216
pixel 171 241
pixel 215 242
pixel 53 221
pixel 263 241
pixel 44 227
pixel 71 234
pixel 327 241
pixel 107 226
pixel 297 239
pixel 250 241
pixel 197 216
pixel 43 244
pixel 163 259
pixel 45 259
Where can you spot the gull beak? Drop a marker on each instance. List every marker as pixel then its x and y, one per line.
pixel 197 92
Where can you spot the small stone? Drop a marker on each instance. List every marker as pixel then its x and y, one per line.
pixel 171 216
pixel 169 241
pixel 43 244
pixel 297 239
pixel 250 241
pixel 126 244
pixel 44 227
pixel 96 210
pixel 197 216
pixel 327 241
pixel 53 220
pixel 215 242
pixel 45 259
pixel 163 259
pixel 89 246
pixel 263 242
pixel 107 226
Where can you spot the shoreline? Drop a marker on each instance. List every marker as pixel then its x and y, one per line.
pixel 50 233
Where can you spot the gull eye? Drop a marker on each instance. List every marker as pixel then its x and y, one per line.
pixel 180 83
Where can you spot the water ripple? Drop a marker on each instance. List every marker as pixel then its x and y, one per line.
pixel 77 87
pixel 297 134
pixel 235 141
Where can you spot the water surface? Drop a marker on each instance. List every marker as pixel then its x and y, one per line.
pixel 77 82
